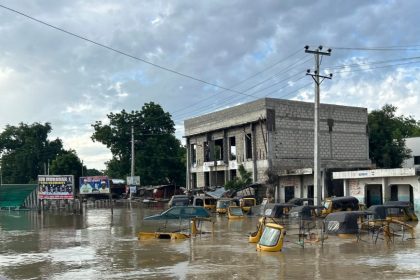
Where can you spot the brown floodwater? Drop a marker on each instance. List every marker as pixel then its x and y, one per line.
pixel 101 245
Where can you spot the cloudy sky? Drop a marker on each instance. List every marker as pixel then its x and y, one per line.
pixel 253 48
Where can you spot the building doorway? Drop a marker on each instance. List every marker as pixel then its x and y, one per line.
pixel 373 195
pixel 310 193
pixel 289 193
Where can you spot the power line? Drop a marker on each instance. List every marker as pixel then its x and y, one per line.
pixel 233 98
pixel 378 67
pixel 387 48
pixel 243 81
pixel 372 62
pixel 119 51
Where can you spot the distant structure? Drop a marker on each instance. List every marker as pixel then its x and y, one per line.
pixel 413 144
pixel 274 139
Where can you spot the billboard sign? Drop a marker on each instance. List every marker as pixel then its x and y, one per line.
pixel 55 187
pixel 133 180
pixel 94 185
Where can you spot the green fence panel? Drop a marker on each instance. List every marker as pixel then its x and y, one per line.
pixel 14 195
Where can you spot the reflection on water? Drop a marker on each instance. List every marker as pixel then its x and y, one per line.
pixel 101 245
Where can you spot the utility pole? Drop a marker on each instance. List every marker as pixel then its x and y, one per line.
pixel 132 151
pixel 132 157
pixel 318 53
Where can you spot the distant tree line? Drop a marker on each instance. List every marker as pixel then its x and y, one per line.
pixel 387 132
pixel 26 151
pixel 159 156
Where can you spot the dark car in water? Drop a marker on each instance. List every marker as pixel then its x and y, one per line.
pixel 179 200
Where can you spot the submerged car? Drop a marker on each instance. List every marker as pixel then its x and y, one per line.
pixel 305 212
pixel 394 211
pixel 300 201
pixel 223 204
pixel 179 200
pixel 271 214
pixel 272 238
pixel 336 204
pixel 344 223
pixel 247 203
pixel 235 212
pixel 205 201
pixel 180 213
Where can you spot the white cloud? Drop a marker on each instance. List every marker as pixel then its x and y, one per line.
pixel 49 76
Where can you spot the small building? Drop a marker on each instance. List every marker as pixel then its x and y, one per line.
pixel 274 139
pixel 160 192
pixel 413 144
pixel 377 186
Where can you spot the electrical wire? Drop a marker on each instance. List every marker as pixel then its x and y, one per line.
pixel 120 52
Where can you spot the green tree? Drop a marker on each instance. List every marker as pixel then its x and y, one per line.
pixel 386 136
pixel 25 152
pixel 159 156
pixel 244 179
pixel 93 172
pixel 67 163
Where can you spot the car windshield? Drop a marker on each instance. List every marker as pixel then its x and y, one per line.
pixel 209 201
pixel 327 204
pixel 270 237
pixel 223 203
pixel 236 211
pixel 249 202
pixel 180 202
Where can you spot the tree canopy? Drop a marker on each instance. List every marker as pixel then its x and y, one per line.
pixel 25 152
pixel 244 179
pixel 386 136
pixel 159 155
pixel 67 163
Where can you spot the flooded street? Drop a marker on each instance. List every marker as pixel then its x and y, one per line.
pixel 98 245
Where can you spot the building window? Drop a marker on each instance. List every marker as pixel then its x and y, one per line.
pixel 416 160
pixel 206 179
pixel 206 149
pixel 194 180
pixel 193 154
pixel 218 149
pixel 232 148
pixel 248 146
pixel 232 174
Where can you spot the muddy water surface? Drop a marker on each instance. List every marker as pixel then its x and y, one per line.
pixel 98 245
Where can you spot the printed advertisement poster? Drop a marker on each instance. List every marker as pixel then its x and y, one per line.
pixel 55 187
pixel 94 185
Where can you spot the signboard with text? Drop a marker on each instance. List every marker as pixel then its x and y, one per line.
pixel 133 180
pixel 55 187
pixel 94 185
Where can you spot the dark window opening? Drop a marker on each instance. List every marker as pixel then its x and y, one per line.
pixel 206 151
pixel 310 193
pixel 193 154
pixel 330 123
pixel 416 159
pixel 232 148
pixel 194 180
pixel 394 193
pixel 289 193
pixel 218 149
pixel 232 174
pixel 206 179
pixel 248 146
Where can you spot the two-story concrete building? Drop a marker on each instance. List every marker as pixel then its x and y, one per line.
pixel 276 137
